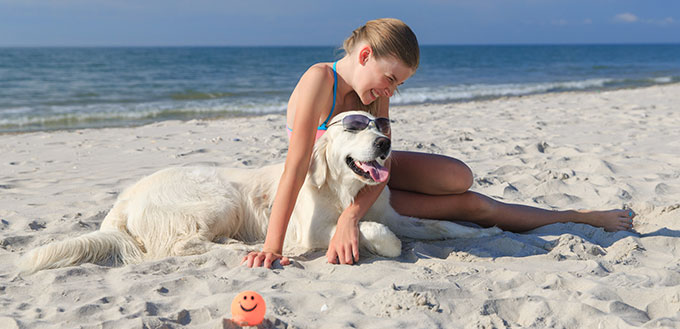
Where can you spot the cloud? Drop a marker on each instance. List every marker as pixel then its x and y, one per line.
pixel 626 18
pixel 559 22
pixel 632 18
pixel 663 22
pixel 564 22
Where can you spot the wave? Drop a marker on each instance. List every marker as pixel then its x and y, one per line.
pixel 116 115
pixel 200 105
pixel 466 92
pixel 199 95
pixel 196 95
pixel 665 80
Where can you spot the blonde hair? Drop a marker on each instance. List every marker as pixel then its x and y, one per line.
pixel 386 37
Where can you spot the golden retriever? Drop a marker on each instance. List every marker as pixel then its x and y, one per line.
pixel 181 211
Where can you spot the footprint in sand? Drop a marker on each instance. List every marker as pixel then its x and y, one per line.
pixel 36 226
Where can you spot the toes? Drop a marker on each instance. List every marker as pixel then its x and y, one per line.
pixel 623 223
pixel 627 214
pixel 627 224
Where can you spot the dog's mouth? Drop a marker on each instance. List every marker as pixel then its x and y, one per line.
pixel 370 170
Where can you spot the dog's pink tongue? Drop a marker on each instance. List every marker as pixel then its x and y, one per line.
pixel 378 172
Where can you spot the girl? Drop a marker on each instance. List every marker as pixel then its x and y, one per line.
pixel 380 56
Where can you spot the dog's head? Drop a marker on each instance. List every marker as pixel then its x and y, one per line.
pixel 351 155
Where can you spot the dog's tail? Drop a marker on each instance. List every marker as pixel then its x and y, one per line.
pixel 110 246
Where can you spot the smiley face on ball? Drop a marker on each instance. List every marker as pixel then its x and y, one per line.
pixel 248 308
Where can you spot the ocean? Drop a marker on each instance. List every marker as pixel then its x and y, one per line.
pixel 67 88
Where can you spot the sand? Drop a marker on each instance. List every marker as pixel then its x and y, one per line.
pixel 594 150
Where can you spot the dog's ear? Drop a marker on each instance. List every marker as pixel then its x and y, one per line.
pixel 318 169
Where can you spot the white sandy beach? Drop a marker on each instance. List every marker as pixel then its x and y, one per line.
pixel 594 150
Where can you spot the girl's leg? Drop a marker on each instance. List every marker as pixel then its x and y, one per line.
pixel 482 210
pixel 433 186
pixel 429 173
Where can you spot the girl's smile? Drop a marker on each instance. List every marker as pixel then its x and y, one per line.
pixel 379 77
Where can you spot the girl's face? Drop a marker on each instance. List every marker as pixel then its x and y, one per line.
pixel 379 77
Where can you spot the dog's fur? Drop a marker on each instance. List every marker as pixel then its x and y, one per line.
pixel 181 211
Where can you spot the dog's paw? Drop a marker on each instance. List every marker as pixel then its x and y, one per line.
pixel 379 240
pixel 388 246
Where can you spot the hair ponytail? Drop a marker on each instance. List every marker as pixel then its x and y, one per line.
pixel 387 37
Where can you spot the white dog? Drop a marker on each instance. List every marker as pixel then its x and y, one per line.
pixel 181 211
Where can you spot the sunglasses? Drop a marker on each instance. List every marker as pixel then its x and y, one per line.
pixel 359 122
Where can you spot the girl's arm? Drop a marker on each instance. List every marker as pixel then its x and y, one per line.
pixel 313 91
pixel 344 245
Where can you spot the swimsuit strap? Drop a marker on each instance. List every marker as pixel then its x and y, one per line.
pixel 335 90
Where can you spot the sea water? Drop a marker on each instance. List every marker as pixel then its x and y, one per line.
pixel 66 88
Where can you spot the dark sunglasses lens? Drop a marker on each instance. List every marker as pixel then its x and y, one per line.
pixel 355 122
pixel 383 125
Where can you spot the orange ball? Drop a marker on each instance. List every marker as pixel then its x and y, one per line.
pixel 247 309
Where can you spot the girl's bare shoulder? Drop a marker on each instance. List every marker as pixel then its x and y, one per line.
pixel 313 91
pixel 318 72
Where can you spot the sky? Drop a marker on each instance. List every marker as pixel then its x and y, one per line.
pixel 328 23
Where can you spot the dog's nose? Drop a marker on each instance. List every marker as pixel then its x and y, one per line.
pixel 382 145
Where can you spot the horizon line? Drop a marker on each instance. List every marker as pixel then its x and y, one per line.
pixel 332 46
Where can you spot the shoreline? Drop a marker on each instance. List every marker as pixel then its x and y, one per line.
pixel 233 115
pixel 568 150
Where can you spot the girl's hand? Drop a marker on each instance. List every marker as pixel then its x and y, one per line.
pixel 344 246
pixel 266 258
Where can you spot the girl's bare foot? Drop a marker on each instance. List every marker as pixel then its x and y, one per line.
pixel 610 220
